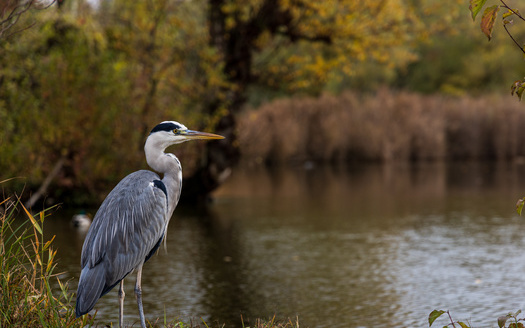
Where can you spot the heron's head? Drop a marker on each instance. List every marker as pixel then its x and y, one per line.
pixel 166 134
pixel 171 132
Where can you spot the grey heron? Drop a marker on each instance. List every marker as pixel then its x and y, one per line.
pixel 132 221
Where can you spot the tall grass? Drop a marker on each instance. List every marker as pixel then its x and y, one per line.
pixel 27 264
pixel 273 323
pixel 386 126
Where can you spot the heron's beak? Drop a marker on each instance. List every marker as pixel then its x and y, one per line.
pixel 190 134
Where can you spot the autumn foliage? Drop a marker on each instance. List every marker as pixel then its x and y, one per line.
pixel 81 87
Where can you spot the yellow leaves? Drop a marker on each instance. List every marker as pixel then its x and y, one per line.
pixel 239 11
pixel 320 65
pixel 33 221
pixel 488 19
pixel 357 31
pixel 229 23
pixel 51 256
pixel 360 30
pixel 263 40
pixel 315 17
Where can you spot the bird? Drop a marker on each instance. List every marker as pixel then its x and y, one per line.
pixel 132 221
pixel 81 222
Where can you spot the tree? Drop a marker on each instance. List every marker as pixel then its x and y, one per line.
pixel 88 85
pixel 116 70
pixel 296 45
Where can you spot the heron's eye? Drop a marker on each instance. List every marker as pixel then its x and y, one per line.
pixel 176 131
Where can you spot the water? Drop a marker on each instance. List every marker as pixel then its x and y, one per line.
pixel 349 247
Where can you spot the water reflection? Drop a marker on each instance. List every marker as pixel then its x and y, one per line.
pixel 338 247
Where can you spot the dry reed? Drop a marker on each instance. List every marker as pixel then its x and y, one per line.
pixel 27 274
pixel 386 126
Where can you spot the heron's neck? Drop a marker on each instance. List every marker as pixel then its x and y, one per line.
pixel 169 165
pixel 172 179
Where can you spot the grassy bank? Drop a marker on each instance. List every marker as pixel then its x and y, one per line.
pixel 385 126
pixel 32 295
pixel 27 275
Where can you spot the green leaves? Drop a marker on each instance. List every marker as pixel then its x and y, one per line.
pixel 434 315
pixel 437 313
pixel 503 319
pixel 488 19
pixel 475 7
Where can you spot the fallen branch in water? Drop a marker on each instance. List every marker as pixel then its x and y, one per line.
pixel 43 188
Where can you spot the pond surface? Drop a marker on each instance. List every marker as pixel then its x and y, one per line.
pixel 363 246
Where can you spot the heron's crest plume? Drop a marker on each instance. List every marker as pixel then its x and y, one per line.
pixel 168 126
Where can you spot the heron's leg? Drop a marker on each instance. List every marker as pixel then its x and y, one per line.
pixel 138 294
pixel 121 295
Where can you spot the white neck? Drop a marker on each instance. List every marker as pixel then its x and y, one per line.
pixel 156 157
pixel 167 164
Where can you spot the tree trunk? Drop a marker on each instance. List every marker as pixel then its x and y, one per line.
pixel 220 158
pixel 236 46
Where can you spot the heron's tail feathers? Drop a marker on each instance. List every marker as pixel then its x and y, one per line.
pixel 90 288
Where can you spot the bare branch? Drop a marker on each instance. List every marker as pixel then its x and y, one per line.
pixel 294 36
pixel 12 10
pixel 515 12
pixel 512 38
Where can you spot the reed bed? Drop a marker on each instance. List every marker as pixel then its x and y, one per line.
pixel 27 264
pixel 386 126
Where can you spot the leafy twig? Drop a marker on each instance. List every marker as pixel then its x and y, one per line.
pixel 515 12
pixel 487 25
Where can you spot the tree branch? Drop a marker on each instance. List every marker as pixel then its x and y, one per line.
pixel 512 38
pixel 505 25
pixel 47 181
pixel 512 10
pixel 11 12
pixel 294 37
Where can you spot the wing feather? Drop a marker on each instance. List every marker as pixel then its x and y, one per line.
pixel 128 226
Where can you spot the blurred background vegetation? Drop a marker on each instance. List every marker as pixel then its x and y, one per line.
pixel 287 81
